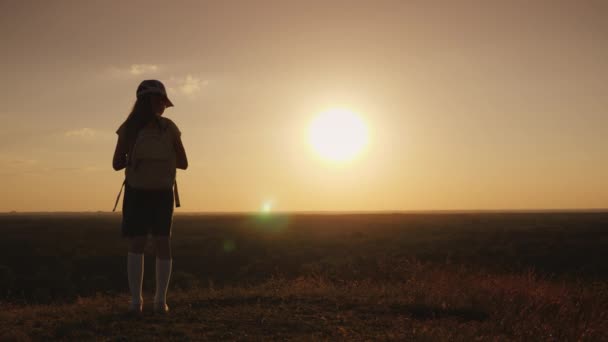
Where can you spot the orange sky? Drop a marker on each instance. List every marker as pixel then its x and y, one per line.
pixel 469 104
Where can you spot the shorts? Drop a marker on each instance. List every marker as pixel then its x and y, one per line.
pixel 147 212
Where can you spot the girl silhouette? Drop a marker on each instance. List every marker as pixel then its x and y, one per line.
pixel 150 149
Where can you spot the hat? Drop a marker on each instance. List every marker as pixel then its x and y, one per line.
pixel 153 87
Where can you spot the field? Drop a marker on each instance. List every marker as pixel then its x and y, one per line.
pixel 418 276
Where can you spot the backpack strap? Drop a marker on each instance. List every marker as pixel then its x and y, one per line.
pixel 119 193
pixel 176 195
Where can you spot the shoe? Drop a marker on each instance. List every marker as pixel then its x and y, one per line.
pixel 161 308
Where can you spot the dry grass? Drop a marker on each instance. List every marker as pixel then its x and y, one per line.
pixel 427 277
pixel 432 302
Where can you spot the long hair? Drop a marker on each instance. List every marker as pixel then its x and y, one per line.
pixel 140 116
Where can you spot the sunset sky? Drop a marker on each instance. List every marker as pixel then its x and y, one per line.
pixel 467 104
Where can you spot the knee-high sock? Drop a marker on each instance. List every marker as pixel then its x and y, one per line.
pixel 163 274
pixel 135 270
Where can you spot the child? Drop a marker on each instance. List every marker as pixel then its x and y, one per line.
pixel 150 149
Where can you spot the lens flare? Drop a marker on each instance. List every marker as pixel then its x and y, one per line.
pixel 228 246
pixel 266 207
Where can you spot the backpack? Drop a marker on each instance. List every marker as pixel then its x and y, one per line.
pixel 151 163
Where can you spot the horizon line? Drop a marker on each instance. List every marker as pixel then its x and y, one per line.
pixel 336 212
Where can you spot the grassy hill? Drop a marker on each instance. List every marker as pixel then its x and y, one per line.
pixel 314 277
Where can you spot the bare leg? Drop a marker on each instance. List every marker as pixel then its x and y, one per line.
pixel 163 272
pixel 135 271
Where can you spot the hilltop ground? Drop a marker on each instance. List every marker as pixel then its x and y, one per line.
pixel 314 277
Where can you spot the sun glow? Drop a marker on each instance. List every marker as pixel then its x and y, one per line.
pixel 338 135
pixel 266 207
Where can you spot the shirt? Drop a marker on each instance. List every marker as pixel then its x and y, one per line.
pixel 165 122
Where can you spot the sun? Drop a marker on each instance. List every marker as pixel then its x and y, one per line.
pixel 337 135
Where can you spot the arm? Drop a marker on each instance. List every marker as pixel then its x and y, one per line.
pixel 119 161
pixel 181 160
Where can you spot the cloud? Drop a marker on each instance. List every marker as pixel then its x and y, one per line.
pixel 140 69
pixel 16 165
pixel 94 168
pixel 131 71
pixel 188 85
pixel 82 132
pixel 18 162
pixel 87 134
pixel 11 165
